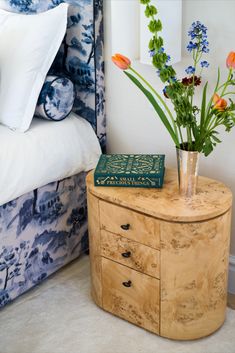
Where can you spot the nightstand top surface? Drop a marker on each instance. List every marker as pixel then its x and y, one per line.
pixel 212 199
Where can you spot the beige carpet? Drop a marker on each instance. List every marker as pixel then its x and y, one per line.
pixel 59 317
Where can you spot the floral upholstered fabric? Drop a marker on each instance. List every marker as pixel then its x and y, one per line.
pixel 39 233
pixel 80 56
pixel 56 99
pixel 45 229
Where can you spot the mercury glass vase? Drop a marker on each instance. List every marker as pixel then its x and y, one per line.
pixel 187 163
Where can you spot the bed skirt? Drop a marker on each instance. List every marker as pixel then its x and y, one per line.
pixel 40 232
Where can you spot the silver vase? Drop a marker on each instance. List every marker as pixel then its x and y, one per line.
pixel 188 163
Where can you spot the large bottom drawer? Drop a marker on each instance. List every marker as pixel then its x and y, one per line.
pixel 131 295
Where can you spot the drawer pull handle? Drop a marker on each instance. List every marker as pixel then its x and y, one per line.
pixel 127 284
pixel 125 226
pixel 126 254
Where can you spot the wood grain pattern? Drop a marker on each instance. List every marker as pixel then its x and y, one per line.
pixel 143 229
pixel 194 263
pixel 142 258
pixel 192 236
pixel 213 199
pixel 94 245
pixel 139 303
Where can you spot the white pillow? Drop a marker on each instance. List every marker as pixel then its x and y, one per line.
pixel 28 46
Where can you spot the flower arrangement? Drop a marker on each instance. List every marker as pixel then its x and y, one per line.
pixel 198 124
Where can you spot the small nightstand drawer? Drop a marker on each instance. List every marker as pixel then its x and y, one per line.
pixel 130 253
pixel 131 295
pixel 130 224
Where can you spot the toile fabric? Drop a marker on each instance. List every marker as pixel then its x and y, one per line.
pixel 46 228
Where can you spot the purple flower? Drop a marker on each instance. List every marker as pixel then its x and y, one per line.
pixel 168 58
pixel 204 63
pixel 190 70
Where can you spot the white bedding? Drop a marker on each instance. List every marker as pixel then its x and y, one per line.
pixel 47 152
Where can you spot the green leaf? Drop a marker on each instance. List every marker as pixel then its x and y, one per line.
pixel 218 80
pixel 155 43
pixel 151 44
pixel 159 60
pixel 150 11
pixel 215 138
pixel 145 2
pixel 155 26
pixel 156 106
pixel 208 147
pixel 203 108
pixel 167 73
pixel 195 131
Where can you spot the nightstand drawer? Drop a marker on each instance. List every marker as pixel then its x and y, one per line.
pixel 131 295
pixel 130 253
pixel 130 224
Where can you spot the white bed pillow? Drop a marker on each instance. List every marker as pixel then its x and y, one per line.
pixel 28 46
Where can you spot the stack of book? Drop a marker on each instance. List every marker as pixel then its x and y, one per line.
pixel 130 170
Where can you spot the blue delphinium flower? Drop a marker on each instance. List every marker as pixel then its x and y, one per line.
pixel 204 43
pixel 191 46
pixel 197 29
pixel 204 63
pixel 190 70
pixel 198 36
pixel 205 49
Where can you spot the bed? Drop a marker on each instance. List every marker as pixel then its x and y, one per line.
pixel 43 212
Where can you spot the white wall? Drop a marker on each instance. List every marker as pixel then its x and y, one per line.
pixel 133 127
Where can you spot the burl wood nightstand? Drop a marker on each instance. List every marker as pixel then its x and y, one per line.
pixel 160 260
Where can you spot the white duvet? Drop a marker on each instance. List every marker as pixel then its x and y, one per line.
pixel 47 152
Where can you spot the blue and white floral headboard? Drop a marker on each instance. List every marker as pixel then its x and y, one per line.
pixel 80 56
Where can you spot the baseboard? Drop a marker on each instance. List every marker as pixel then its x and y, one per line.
pixel 231 275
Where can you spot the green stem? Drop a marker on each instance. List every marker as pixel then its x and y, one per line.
pixel 226 94
pixel 207 120
pixel 181 137
pixel 227 81
pixel 189 137
pixel 159 97
pixel 218 123
pixel 212 121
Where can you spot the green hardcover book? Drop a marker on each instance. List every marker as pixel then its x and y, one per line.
pixel 130 170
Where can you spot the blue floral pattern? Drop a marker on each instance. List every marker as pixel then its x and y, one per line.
pixel 56 98
pixel 45 229
pixel 41 232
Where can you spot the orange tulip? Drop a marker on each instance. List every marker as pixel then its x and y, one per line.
pixel 121 61
pixel 219 103
pixel 230 62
